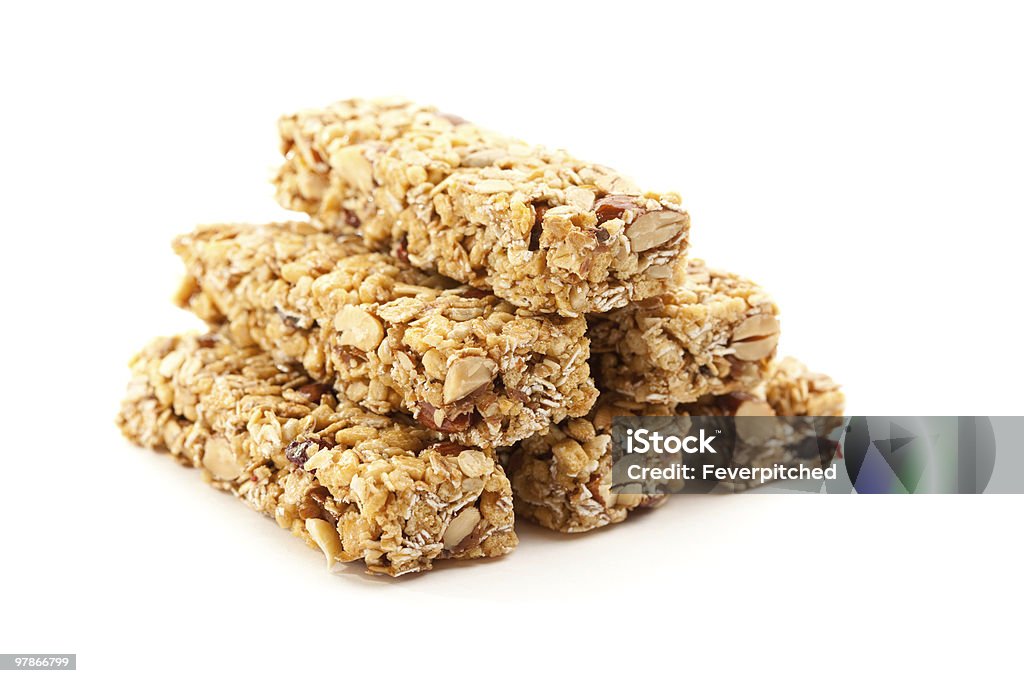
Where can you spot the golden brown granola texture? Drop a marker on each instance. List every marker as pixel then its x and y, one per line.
pixel 388 336
pixel 538 227
pixel 357 485
pixel 562 480
pixel 713 333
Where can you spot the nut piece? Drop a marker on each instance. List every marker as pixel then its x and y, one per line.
pixel 460 527
pixel 755 431
pixel 433 364
pixel 475 463
pixel 457 422
pixel 756 337
pixel 358 328
pixel 761 325
pixel 326 537
pixel 466 375
pixel 756 349
pixel 220 460
pixel 629 500
pixel 654 229
pixel 354 168
pixel 754 407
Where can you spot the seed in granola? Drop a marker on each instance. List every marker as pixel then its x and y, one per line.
pixel 466 375
pixel 460 527
pixel 220 460
pixel 325 535
pixel 613 206
pixel 654 228
pixel 358 328
pixel 314 391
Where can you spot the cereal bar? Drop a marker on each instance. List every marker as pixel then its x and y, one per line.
pixel 388 336
pixel 357 485
pixel 538 227
pixel 562 479
pixel 712 333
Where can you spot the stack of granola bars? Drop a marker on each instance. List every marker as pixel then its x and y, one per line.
pixel 442 347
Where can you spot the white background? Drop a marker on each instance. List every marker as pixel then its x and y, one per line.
pixel 864 162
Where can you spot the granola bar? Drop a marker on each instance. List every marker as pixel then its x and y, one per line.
pixel 536 226
pixel 389 336
pixel 713 333
pixel 357 485
pixel 562 479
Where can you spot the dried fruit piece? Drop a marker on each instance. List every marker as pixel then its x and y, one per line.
pixel 613 206
pixel 466 375
pixel 314 391
pixel 655 228
pixel 297 452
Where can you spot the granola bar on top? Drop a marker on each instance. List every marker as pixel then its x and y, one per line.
pixel 538 227
pixel 712 333
pixel 357 485
pixel 390 337
pixel 562 479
